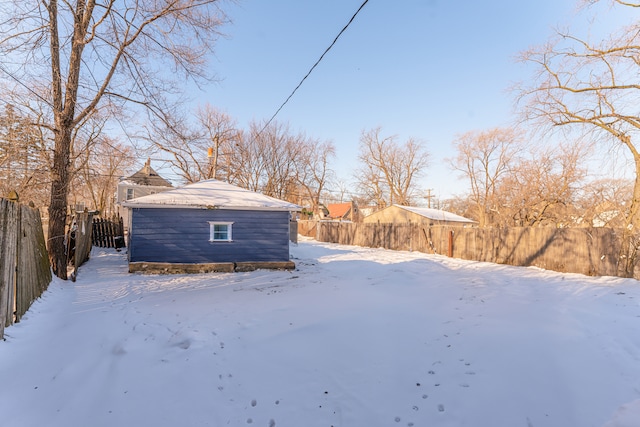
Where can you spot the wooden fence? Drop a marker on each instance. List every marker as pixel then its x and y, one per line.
pixel 25 272
pixel 108 233
pixel 590 251
pixel 79 241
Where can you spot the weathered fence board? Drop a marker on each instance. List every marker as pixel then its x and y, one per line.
pixel 108 233
pixel 8 249
pixel 25 272
pixel 590 251
pixel 34 272
pixel 82 236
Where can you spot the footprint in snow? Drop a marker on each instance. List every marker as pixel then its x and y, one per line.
pixel 118 350
pixel 184 344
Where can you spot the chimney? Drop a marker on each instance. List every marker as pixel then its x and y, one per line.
pixel 147 167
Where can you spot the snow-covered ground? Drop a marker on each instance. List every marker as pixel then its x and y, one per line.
pixel 352 337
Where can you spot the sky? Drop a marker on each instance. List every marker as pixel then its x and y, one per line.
pixel 424 69
pixel 352 337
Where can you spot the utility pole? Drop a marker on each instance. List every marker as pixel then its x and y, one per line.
pixel 212 154
pixel 210 157
pixel 429 196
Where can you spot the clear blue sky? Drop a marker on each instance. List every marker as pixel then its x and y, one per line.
pixel 428 69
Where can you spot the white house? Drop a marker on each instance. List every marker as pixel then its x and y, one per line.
pixel 142 183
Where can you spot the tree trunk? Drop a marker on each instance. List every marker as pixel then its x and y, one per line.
pixel 58 205
pixel 630 235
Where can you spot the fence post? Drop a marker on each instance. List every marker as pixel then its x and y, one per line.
pixel 450 248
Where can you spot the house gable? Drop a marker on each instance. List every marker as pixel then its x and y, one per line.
pixel 147 176
pixel 144 182
pixel 340 211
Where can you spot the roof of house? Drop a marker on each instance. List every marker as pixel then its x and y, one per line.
pixel 146 176
pixel 436 214
pixel 338 210
pixel 211 194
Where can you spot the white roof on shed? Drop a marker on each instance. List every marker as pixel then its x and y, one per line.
pixel 211 194
pixel 437 214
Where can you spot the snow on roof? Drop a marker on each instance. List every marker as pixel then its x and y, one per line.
pixel 211 194
pixel 437 214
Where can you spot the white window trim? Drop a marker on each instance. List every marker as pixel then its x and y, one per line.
pixel 212 225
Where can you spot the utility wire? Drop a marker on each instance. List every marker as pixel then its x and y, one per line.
pixel 313 67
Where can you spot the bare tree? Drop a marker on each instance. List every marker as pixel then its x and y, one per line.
pixel 98 173
pixel 542 189
pixel 247 167
pixel 604 201
pixel 460 204
pixel 314 171
pixel 23 158
pixel 593 85
pixel 389 170
pixel 267 159
pixel 175 140
pixel 282 151
pixel 74 58
pixel 195 150
pixel 220 132
pixel 485 158
pixel 373 189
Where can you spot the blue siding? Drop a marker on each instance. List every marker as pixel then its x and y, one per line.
pixel 182 236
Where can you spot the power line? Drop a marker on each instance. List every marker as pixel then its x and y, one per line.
pixel 313 67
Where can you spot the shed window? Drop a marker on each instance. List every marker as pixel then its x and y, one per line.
pixel 129 193
pixel 220 231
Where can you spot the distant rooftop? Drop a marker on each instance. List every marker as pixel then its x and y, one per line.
pixel 148 176
pixel 437 214
pixel 338 210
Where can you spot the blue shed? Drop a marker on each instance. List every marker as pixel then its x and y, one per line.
pixel 208 226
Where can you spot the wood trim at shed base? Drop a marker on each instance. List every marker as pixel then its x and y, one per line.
pixel 273 265
pixel 220 267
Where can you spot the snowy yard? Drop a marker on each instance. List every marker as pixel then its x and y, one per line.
pixel 352 337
